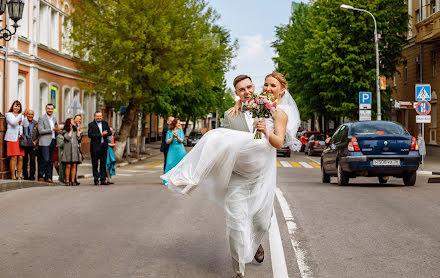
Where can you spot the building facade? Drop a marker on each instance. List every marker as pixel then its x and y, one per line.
pixel 420 66
pixel 37 67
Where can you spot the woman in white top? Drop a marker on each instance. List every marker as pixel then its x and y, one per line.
pixel 14 129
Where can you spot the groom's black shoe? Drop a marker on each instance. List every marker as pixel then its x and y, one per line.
pixel 259 256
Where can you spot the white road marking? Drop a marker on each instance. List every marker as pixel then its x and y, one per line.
pixel 286 164
pixel 279 266
pixel 314 160
pixel 123 175
pixel 159 166
pixel 131 171
pixel 306 165
pixel 292 227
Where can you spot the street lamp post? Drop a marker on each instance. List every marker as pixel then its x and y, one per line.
pixel 376 42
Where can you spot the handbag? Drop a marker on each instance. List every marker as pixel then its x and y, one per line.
pixel 26 141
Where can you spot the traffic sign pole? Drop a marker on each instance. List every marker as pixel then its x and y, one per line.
pixel 423 96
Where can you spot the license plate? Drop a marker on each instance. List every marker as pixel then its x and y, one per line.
pixel 386 162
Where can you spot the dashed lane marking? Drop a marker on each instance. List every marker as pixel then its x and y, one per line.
pixel 279 266
pixel 285 164
pixel 154 164
pixel 314 164
pixel 279 164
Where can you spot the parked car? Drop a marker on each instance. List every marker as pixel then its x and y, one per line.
pixel 284 151
pixel 305 135
pixel 371 149
pixel 315 144
pixel 193 138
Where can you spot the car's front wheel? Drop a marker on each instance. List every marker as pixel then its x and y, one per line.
pixel 383 180
pixel 325 177
pixel 409 179
pixel 342 176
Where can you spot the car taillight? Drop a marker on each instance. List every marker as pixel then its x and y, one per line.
pixel 315 143
pixel 353 145
pixel 414 145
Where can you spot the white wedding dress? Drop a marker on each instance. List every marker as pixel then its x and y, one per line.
pixel 239 172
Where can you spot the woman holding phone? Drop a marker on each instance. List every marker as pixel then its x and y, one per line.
pixel 174 139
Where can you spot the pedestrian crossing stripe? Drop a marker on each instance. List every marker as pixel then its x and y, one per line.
pixel 314 164
pixel 280 164
pixel 295 164
pixel 154 164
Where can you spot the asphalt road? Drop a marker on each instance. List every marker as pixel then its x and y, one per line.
pixel 138 228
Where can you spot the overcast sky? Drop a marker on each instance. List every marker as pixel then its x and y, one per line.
pixel 253 23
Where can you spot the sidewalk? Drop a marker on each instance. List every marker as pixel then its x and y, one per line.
pixel 84 170
pixel 432 160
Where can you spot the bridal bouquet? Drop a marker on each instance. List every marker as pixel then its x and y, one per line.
pixel 261 106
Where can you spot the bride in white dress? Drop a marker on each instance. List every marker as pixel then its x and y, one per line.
pixel 247 198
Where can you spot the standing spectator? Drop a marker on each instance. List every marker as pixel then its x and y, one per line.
pixel 14 129
pixel 174 139
pixel 71 154
pixel 47 129
pixel 111 159
pixel 78 125
pixel 164 146
pixel 62 168
pixel 98 132
pixel 30 128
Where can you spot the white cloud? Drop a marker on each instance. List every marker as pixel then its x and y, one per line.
pixel 254 58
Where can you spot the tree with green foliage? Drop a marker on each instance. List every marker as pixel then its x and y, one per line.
pixel 129 50
pixel 328 54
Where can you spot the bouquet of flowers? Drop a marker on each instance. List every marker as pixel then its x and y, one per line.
pixel 261 106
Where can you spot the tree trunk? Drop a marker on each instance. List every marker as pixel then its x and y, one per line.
pixel 143 133
pixel 134 139
pixel 124 131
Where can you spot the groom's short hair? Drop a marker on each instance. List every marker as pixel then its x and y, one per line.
pixel 241 78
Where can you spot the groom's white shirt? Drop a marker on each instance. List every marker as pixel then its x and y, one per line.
pixel 249 120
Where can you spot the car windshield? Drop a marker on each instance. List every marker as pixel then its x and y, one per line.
pixel 377 128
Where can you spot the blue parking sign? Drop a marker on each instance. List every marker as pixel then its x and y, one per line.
pixel 364 100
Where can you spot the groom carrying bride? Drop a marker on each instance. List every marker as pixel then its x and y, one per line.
pixel 238 169
pixel 244 88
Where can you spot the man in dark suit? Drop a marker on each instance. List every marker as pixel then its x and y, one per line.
pixel 164 146
pixel 98 132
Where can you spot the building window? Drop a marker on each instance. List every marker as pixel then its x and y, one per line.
pixel 67 100
pixel 433 6
pixel 434 63
pixel 23 30
pixel 43 28
pixel 21 90
pixel 418 15
pixel 55 30
pixel 44 98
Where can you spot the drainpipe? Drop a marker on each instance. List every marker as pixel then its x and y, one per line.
pixel 5 87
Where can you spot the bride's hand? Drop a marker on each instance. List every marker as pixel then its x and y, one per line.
pixel 261 126
pixel 234 110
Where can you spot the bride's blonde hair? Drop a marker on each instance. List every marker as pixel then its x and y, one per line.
pixel 280 77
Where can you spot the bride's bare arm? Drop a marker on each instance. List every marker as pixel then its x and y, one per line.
pixel 276 138
pixel 234 110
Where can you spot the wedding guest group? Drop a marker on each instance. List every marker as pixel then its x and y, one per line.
pixel 54 146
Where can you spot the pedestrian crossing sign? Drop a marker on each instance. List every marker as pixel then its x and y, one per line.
pixel 423 92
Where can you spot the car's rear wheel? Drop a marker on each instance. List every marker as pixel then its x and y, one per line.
pixel 383 180
pixel 325 177
pixel 409 179
pixel 342 176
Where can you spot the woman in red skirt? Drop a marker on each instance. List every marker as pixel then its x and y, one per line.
pixel 14 129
